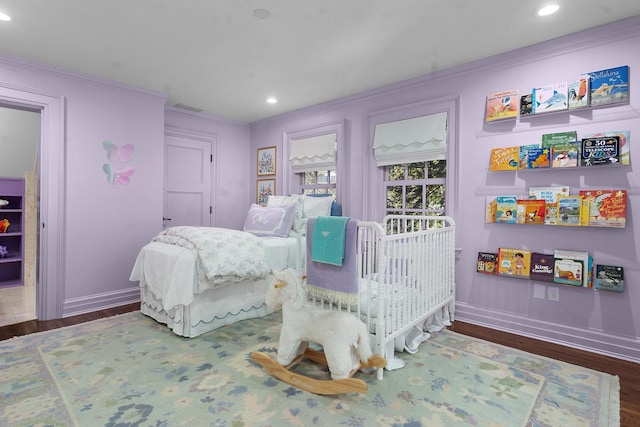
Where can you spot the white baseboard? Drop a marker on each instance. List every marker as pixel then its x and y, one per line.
pixel 591 340
pixel 88 304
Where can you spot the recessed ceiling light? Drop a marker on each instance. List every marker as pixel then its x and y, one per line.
pixel 261 13
pixel 4 17
pixel 548 10
pixel 272 100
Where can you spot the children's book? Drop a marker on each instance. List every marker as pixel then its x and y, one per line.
pixel 530 211
pixel 541 267
pixel 558 138
pixel 502 105
pixel 514 262
pixel 549 98
pixel 523 155
pixel 623 143
pixel 609 278
pixel 567 271
pixel 504 159
pixel 607 208
pixel 569 210
pixel 487 263
pixel 578 92
pixel 584 258
pixel 539 158
pixel 491 210
pixel 565 156
pixel 506 207
pixel 525 105
pixel 550 196
pixel 600 151
pixel 610 86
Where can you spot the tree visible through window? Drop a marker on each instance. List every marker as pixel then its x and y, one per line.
pixel 319 182
pixel 416 188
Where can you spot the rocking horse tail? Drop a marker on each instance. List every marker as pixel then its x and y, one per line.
pixel 364 344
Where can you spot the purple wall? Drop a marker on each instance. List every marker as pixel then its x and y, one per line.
pixel 597 320
pixel 103 225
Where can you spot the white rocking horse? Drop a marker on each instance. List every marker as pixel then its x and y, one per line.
pixel 344 338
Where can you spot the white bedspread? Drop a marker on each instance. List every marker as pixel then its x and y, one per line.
pixel 168 271
pixel 225 255
pixel 173 274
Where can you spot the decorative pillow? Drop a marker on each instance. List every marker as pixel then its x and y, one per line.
pixel 316 206
pixel 266 221
pixel 294 199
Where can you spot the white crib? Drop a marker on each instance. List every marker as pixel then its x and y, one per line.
pixel 406 275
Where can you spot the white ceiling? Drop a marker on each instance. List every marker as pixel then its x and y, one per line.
pixel 215 55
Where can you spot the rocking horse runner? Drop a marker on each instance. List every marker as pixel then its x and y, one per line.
pixel 344 338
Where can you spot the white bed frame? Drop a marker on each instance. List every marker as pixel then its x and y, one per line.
pixel 406 271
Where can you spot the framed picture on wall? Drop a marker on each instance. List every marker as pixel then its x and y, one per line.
pixel 266 161
pixel 264 189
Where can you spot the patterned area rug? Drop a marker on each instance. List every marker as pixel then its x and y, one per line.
pixel 129 370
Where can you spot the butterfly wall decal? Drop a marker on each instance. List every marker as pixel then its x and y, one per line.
pixel 117 176
pixel 118 154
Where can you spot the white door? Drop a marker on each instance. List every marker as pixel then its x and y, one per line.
pixel 187 182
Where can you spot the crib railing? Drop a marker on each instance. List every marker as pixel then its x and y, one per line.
pixel 406 273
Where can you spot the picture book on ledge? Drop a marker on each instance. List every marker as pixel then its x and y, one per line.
pixel 539 158
pixel 558 138
pixel 541 267
pixel 586 265
pixel 549 98
pixel 569 210
pixel 550 196
pixel 505 209
pixel 606 208
pixel 514 262
pixel 609 278
pixel 487 263
pixel 565 156
pixel 610 86
pixel 530 211
pixel 600 151
pixel 502 105
pixel 624 141
pixel 523 155
pixel 504 159
pixel 579 93
pixel 567 271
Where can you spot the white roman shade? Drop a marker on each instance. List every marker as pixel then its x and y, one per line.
pixel 412 140
pixel 313 154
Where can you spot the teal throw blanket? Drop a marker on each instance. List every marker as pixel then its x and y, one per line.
pixel 328 239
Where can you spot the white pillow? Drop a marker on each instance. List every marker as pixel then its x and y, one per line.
pixel 294 199
pixel 316 206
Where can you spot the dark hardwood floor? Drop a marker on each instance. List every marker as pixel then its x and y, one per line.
pixel 628 372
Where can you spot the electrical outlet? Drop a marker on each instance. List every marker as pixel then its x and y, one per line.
pixel 553 294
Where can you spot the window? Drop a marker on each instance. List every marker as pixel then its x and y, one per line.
pixel 416 188
pixel 315 156
pixel 318 182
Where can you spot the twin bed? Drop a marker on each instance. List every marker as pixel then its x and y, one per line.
pixel 396 275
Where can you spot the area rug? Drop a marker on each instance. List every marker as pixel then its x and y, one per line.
pixel 129 370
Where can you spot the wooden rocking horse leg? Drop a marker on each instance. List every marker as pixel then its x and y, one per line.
pixel 312 385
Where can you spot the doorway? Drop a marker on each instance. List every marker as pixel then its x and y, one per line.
pixel 51 165
pixel 20 143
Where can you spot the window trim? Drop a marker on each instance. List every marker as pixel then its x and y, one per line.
pixel 375 206
pixel 290 180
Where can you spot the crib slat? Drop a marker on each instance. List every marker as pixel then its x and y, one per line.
pixel 406 272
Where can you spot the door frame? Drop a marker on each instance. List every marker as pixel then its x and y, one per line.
pixel 51 163
pixel 198 136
